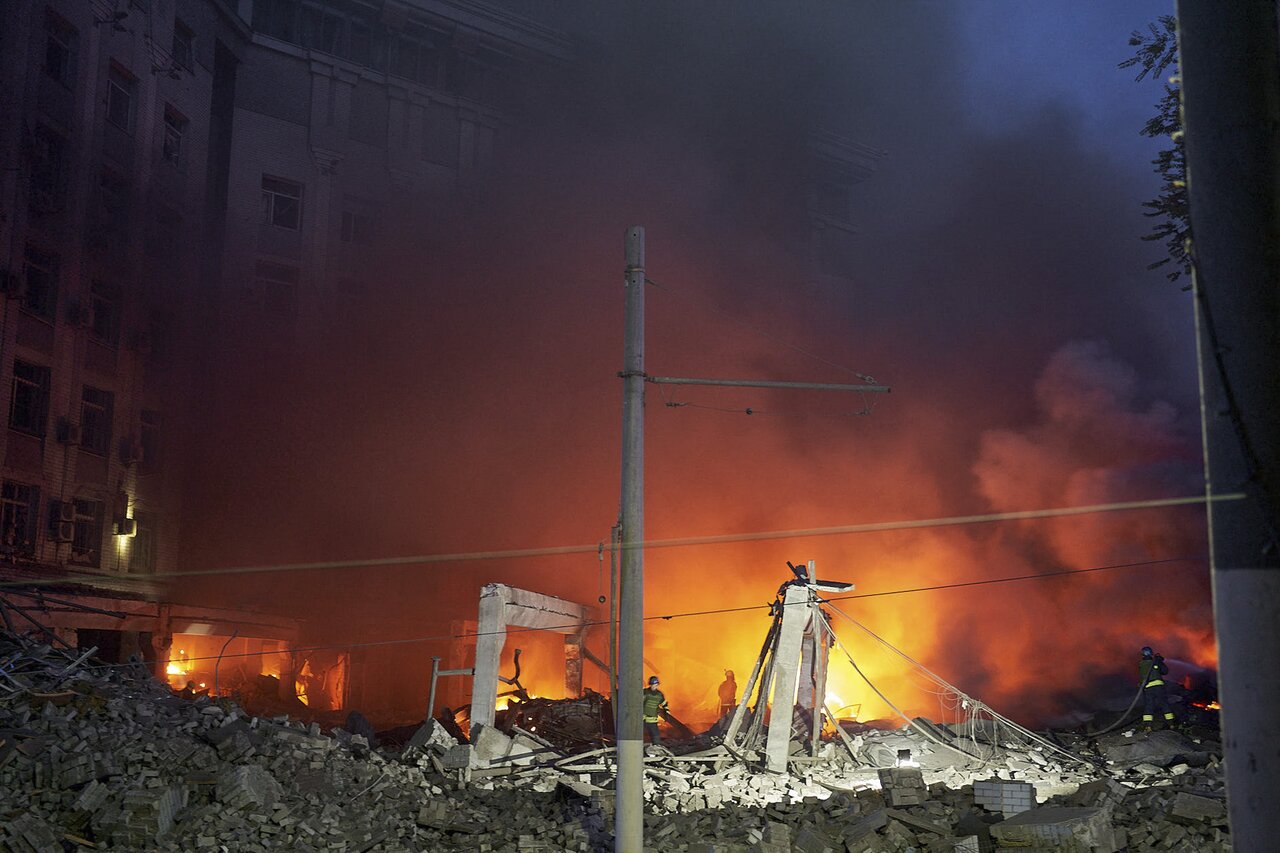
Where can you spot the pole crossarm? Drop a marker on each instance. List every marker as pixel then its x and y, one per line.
pixel 767 383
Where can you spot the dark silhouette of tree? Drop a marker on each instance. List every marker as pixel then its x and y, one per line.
pixel 1157 53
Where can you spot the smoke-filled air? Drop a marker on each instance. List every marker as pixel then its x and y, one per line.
pixel 977 249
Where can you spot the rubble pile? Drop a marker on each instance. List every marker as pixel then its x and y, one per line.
pixel 101 758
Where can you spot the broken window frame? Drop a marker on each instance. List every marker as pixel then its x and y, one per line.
pixel 86 545
pixel 60 48
pixel 40 273
pixel 97 409
pixel 175 127
pixel 19 515
pixel 182 48
pixel 122 97
pixel 29 398
pixel 281 203
pixel 104 315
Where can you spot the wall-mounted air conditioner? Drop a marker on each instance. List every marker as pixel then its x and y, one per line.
pixel 68 431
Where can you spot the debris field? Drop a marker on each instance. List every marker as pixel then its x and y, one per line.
pixel 97 757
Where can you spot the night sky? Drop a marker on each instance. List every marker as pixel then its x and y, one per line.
pixel 998 283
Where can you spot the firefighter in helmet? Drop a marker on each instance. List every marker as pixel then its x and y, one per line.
pixel 654 704
pixel 1151 673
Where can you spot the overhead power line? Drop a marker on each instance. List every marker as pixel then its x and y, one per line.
pixel 713 612
pixel 691 541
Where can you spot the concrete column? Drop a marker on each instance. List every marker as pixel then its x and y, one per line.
pixel 786 674
pixel 160 645
pixel 572 665
pixel 492 629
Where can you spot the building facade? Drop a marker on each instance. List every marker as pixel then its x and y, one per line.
pixel 342 110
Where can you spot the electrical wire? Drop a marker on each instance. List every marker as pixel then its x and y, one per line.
pixel 976 705
pixel 691 541
pixel 768 608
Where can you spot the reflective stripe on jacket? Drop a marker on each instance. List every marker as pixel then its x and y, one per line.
pixel 1149 673
pixel 653 702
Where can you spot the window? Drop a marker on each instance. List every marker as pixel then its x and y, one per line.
pixel 122 88
pixel 175 125
pixel 321 28
pixel 48 170
pixel 355 228
pixel 441 134
pixel 29 402
pixel 277 288
pixel 86 546
pixel 60 49
pixel 281 203
pixel 19 509
pixel 40 269
pixel 96 408
pixel 113 195
pixel 276 18
pixel 104 317
pixel 149 437
pixel 360 47
pixel 142 553
pixel 183 49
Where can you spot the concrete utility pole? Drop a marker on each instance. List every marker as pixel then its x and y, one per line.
pixel 628 789
pixel 628 710
pixel 1230 64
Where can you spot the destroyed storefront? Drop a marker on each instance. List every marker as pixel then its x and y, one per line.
pixel 201 650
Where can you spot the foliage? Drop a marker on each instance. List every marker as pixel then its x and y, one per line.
pixel 1158 52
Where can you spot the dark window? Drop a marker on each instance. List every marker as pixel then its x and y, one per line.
pixel 96 408
pixel 104 316
pixel 356 228
pixel 19 511
pixel 404 57
pixel 277 286
pixel 48 170
pixel 149 437
pixel 60 49
pixel 276 18
pixel 361 44
pixel 281 203
pixel 86 546
pixel 113 195
pixel 182 51
pixel 166 225
pixel 321 28
pixel 29 402
pixel 175 126
pixel 142 551
pixel 442 134
pixel 122 90
pixel 40 295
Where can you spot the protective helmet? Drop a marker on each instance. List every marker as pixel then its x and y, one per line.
pixel 653 681
pixel 1147 652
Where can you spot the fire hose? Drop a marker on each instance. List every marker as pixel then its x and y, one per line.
pixel 1123 716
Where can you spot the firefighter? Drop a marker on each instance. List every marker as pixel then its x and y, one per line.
pixel 1151 673
pixel 654 704
pixel 728 693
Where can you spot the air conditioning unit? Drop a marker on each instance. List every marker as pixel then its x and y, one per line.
pixel 68 431
pixel 66 513
pixel 65 531
pixel 126 527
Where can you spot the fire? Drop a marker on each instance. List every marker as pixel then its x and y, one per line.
pixel 1211 705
